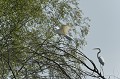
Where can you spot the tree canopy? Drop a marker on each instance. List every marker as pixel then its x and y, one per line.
pixel 29 46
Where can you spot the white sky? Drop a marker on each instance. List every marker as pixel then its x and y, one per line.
pixel 104 32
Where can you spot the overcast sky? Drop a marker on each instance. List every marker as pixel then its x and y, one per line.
pixel 104 32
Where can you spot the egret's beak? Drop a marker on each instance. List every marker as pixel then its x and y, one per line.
pixel 96 49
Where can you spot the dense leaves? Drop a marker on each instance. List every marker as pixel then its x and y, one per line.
pixel 29 46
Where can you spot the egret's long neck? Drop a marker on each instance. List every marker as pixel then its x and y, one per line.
pixel 98 54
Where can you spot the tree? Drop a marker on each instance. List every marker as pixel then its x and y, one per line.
pixel 29 46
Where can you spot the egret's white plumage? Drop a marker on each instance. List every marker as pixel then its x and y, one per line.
pixel 64 31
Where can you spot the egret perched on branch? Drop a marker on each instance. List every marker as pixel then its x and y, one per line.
pixel 64 31
pixel 100 58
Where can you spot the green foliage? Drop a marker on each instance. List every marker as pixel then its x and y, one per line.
pixel 28 43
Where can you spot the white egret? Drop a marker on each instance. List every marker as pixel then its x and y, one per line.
pixel 100 58
pixel 64 31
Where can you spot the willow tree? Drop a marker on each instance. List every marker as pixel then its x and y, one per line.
pixel 29 46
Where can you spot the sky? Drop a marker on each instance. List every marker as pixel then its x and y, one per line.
pixel 104 32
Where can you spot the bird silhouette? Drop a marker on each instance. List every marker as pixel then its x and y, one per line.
pixel 100 58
